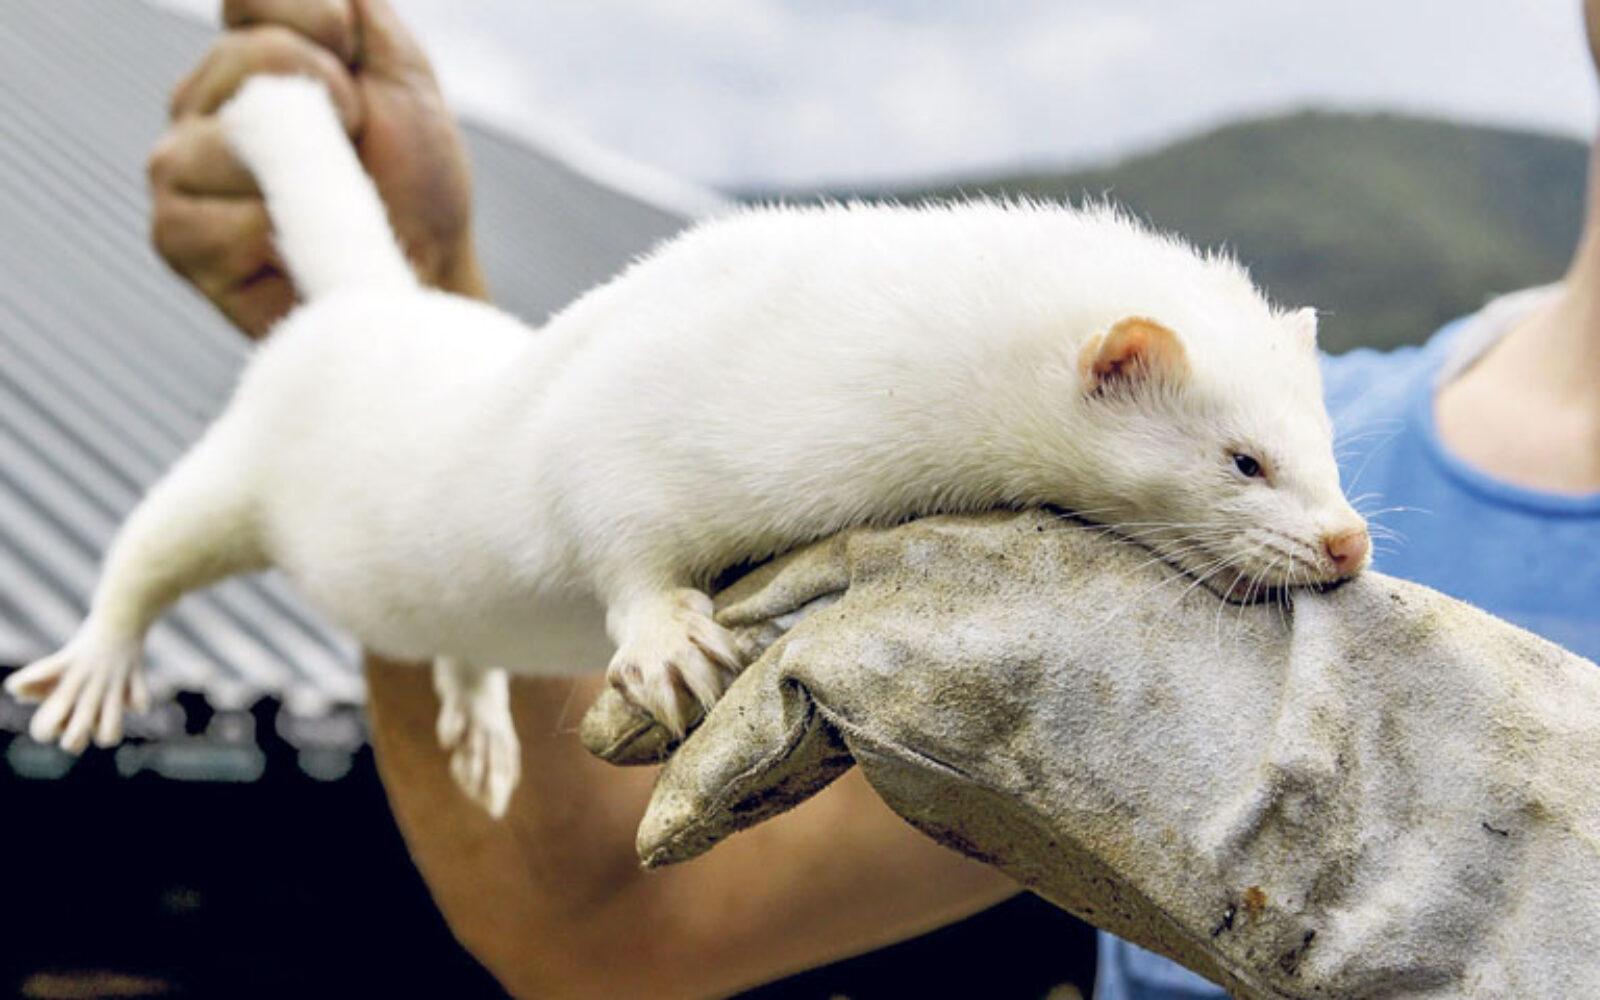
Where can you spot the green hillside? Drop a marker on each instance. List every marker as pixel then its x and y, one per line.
pixel 1390 225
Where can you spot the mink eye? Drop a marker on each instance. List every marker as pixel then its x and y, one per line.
pixel 1248 467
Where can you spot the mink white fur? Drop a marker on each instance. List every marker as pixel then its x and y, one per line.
pixel 428 469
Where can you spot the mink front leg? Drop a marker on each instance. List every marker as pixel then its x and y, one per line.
pixel 673 660
pixel 476 727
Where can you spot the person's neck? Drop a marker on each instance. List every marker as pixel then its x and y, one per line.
pixel 1528 411
pixel 1557 347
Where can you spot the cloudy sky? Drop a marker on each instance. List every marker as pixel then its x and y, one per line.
pixel 791 93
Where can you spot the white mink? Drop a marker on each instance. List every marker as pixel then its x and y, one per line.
pixel 430 471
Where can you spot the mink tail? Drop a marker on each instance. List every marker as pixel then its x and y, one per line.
pixel 330 225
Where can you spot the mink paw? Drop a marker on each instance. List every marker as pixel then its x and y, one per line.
pixel 676 663
pixel 83 691
pixel 476 727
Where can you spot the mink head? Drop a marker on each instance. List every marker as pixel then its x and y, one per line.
pixel 1215 450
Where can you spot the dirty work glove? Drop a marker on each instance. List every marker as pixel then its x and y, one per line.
pixel 1378 791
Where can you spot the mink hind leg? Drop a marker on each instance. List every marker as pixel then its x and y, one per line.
pixel 195 527
pixel 673 660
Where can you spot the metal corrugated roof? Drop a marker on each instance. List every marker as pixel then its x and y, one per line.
pixel 110 366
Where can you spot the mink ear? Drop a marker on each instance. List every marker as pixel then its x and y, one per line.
pixel 1304 323
pixel 1134 351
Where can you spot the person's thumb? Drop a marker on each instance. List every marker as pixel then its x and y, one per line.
pixel 384 45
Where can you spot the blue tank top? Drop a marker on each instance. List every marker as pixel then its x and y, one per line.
pixel 1532 558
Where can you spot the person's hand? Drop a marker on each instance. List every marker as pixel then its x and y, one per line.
pixel 1346 793
pixel 208 219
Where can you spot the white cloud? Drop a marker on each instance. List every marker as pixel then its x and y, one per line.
pixel 794 92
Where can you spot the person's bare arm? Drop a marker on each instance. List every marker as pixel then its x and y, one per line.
pixel 554 902
pixel 551 899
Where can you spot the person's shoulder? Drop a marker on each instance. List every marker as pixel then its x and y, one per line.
pixel 1367 380
pixel 1379 379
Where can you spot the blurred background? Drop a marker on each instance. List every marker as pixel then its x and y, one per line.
pixel 1392 164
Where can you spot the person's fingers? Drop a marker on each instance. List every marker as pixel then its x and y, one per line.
pixel 329 23
pixel 215 243
pixel 384 45
pixel 265 48
pixel 259 301
pixel 192 157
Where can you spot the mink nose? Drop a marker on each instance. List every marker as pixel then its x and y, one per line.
pixel 1348 549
